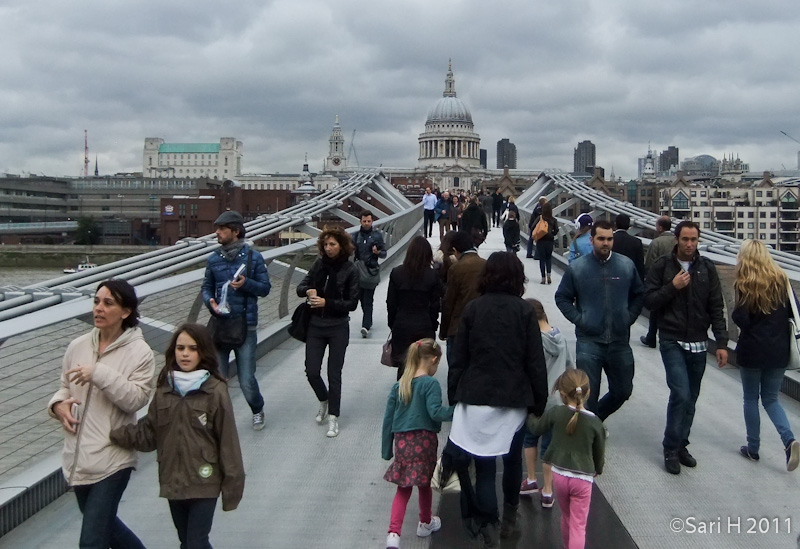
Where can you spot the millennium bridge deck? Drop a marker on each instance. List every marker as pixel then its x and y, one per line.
pixel 305 490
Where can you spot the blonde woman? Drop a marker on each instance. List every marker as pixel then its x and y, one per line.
pixel 762 313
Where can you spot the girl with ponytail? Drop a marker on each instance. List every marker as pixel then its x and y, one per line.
pixel 414 414
pixel 576 453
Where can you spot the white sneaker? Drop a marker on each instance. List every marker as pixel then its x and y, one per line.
pixel 364 333
pixel 258 421
pixel 322 415
pixel 333 426
pixel 393 541
pixel 426 529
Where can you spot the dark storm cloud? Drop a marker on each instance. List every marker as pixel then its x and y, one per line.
pixel 709 77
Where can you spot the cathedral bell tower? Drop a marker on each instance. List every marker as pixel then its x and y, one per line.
pixel 336 160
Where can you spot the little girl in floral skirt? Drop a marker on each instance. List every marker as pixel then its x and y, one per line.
pixel 414 414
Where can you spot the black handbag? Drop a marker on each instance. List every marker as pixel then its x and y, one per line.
pixel 301 317
pixel 230 331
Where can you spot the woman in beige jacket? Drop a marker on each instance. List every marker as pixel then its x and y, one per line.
pixel 108 374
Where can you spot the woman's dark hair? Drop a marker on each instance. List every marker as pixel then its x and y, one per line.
pixel 205 348
pixel 503 272
pixel 547 210
pixel 125 296
pixel 446 247
pixel 418 258
pixel 339 234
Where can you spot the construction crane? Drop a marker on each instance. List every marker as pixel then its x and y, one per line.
pixel 796 141
pixel 353 150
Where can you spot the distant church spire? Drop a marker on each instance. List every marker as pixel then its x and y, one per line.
pixel 96 172
pixel 449 83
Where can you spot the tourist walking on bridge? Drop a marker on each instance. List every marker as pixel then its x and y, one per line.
pixel 462 287
pixel 369 247
pixel 107 376
pixel 331 287
pixel 235 278
pixel 498 374
pixel 414 414
pixel 576 453
pixel 762 313
pixel 601 294
pixel 428 212
pixel 443 209
pixel 497 207
pixel 627 244
pixel 684 289
pixel 413 300
pixel 191 425
pixel 662 244
pixel 545 241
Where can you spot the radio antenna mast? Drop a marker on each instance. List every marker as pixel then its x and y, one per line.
pixel 85 153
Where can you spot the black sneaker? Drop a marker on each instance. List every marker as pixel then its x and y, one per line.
pixel 647 343
pixel 671 462
pixel 686 458
pixel 792 455
pixel 752 456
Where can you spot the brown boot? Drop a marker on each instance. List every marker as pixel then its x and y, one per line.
pixel 549 280
pixel 509 526
pixel 544 280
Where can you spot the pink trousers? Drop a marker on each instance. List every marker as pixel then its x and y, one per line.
pixel 401 502
pixel 574 496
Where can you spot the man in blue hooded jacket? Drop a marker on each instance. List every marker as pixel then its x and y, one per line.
pixel 243 292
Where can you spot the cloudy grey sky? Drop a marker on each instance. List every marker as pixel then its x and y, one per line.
pixel 711 77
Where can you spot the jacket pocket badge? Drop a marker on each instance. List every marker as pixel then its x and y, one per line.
pixel 205 471
pixel 203 419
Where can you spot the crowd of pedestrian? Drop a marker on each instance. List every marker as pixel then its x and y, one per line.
pixel 497 392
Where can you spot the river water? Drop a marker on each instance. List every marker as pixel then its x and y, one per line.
pixel 27 277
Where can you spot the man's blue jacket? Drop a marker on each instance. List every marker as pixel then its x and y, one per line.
pixel 601 298
pixel 219 271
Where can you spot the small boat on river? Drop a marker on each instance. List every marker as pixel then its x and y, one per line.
pixel 85 266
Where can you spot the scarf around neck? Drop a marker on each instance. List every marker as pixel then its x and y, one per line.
pixel 183 382
pixel 230 251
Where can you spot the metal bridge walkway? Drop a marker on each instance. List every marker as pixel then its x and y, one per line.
pixel 304 490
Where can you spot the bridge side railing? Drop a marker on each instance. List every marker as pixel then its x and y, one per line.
pixel 30 359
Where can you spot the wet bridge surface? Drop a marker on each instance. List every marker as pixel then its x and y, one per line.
pixel 304 490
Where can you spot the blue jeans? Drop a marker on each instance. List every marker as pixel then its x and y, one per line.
pixel 532 441
pixel 192 519
pixel 245 369
pixel 767 382
pixel 684 371
pixel 530 245
pixel 98 502
pixel 545 249
pixel 616 360
pixel 367 297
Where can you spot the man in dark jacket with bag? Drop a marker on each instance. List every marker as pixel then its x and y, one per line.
pixel 242 295
pixel 684 289
pixel 369 246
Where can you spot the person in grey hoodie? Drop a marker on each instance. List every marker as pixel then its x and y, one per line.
pixel 558 358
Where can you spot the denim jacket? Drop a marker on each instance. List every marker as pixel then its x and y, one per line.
pixel 363 242
pixel 219 271
pixel 601 298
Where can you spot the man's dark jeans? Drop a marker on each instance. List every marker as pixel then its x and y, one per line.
pixel 429 217
pixel 367 297
pixel 684 371
pixel 98 502
pixel 616 360
pixel 192 519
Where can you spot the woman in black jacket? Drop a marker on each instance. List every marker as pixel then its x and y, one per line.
pixel 331 287
pixel 762 313
pixel 545 244
pixel 474 222
pixel 413 300
pixel 497 376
